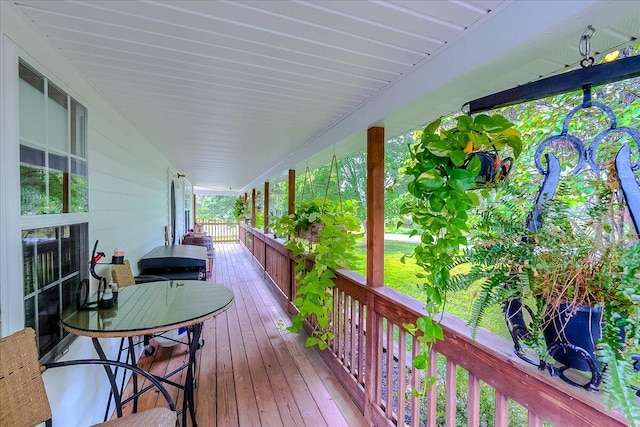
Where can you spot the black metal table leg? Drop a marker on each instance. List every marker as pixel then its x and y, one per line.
pixel 110 375
pixel 188 400
pixel 132 358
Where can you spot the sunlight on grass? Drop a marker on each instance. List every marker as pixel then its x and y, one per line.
pixel 402 277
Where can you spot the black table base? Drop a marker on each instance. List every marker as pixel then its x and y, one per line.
pixel 194 343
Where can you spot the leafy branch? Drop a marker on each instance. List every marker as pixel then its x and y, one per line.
pixel 444 168
pixel 332 245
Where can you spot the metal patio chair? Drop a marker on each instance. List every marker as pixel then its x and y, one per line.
pixel 23 399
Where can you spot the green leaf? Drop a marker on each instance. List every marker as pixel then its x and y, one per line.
pixel 410 328
pixel 440 148
pixel 516 145
pixel 431 179
pixel 475 201
pixel 458 157
pixel 420 362
pixel 464 122
pixel 474 166
pixel 311 341
pixel 461 179
pixel 438 333
pixel 436 203
pixel 479 140
pixel 433 126
pixel 421 322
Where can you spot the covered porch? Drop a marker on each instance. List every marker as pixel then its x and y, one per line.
pixel 252 371
pixel 229 96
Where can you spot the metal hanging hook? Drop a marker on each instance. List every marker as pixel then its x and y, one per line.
pixel 585 47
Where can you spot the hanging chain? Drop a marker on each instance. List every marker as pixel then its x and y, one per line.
pixel 334 161
pixel 585 47
pixel 307 177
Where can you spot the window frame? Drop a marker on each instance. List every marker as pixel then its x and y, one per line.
pixel 75 152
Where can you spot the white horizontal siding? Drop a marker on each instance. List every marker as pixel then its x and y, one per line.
pixel 128 196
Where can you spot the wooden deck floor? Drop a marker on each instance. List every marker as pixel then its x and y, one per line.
pixel 251 370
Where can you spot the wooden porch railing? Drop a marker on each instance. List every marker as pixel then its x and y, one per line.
pixel 221 232
pixel 375 366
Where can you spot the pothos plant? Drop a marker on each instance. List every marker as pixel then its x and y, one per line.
pixel 240 208
pixel 327 233
pixel 446 168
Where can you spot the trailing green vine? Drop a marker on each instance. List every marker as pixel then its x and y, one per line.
pixel 327 233
pixel 445 166
pixel 240 208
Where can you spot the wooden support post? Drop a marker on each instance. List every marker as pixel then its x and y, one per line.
pixel 265 207
pixel 375 263
pixel 291 208
pixel 375 206
pixel 195 202
pixel 292 192
pixel 253 207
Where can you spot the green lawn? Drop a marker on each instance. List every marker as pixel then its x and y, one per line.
pixel 402 277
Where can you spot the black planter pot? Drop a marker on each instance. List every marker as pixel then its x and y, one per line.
pixel 492 168
pixel 571 334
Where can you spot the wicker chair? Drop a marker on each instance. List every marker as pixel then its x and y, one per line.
pixel 123 276
pixel 23 399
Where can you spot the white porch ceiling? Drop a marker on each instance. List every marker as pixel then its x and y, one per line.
pixel 236 92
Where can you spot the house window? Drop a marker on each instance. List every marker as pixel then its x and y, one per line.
pixel 53 164
pixel 54 263
pixel 54 204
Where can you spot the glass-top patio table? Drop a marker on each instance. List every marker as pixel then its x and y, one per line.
pixel 152 308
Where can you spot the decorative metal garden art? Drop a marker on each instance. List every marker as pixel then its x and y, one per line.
pixel 579 356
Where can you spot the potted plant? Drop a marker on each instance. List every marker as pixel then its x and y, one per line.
pixel 571 285
pixel 241 209
pixel 447 167
pixel 306 221
pixel 327 233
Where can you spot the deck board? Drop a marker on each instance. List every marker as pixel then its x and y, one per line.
pixel 251 371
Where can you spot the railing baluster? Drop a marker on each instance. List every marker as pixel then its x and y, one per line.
pixel 473 401
pixel 344 328
pixel 533 420
pixel 432 392
pixel 402 374
pixel 390 371
pixel 415 384
pixel 352 340
pixel 451 397
pixel 361 342
pixel 378 355
pixel 335 320
pixel 502 410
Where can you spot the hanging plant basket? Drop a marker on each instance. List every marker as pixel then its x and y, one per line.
pixel 493 169
pixel 328 232
pixel 570 334
pixel 311 234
